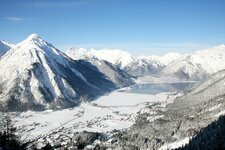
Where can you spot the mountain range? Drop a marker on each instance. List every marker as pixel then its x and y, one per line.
pixel 194 66
pixel 35 75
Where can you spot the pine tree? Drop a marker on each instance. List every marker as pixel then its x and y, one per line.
pixel 8 138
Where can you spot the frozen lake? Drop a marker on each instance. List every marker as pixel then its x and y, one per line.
pixel 155 88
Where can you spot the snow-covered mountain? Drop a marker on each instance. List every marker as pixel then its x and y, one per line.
pixel 80 54
pixel 149 65
pixel 140 66
pixel 35 75
pixel 4 47
pixel 165 59
pixel 169 57
pixel 119 77
pixel 194 66
pixel 144 66
pixel 198 65
pixel 117 57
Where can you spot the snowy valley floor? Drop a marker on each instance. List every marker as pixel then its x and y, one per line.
pixel 117 110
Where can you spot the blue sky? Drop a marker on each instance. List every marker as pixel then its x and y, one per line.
pixel 138 26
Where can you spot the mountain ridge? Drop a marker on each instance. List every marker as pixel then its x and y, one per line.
pixel 4 47
pixel 196 66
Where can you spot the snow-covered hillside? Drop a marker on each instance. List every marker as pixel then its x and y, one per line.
pixel 182 119
pixel 198 65
pixel 4 47
pixel 36 75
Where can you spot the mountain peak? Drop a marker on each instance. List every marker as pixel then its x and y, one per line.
pixel 33 36
pixel 33 40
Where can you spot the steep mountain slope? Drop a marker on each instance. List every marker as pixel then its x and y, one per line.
pixel 144 66
pixel 162 128
pixel 198 65
pixel 119 77
pixel 35 75
pixel 4 47
pixel 210 138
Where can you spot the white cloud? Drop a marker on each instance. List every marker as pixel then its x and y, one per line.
pixel 15 19
pixel 55 4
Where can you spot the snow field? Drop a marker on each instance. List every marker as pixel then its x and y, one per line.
pixel 117 110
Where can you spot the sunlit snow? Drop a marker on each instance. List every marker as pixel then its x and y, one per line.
pixel 118 110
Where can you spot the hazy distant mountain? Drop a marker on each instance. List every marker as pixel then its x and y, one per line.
pixel 144 66
pixel 117 57
pixel 4 47
pixel 80 54
pixel 140 66
pixel 149 65
pixel 194 66
pixel 164 59
pixel 35 75
pixel 198 65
